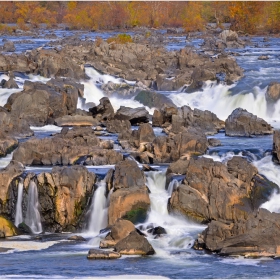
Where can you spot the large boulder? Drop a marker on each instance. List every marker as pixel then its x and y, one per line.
pixel 134 244
pixel 134 115
pixel 215 191
pixel 242 123
pixel 64 195
pixel 11 83
pixel 7 144
pixel 76 120
pixel 256 236
pixel 273 92
pixel 118 126
pixel 9 46
pixel 66 148
pixel 39 104
pixel 131 203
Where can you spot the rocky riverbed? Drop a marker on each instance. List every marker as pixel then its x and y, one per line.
pixel 118 144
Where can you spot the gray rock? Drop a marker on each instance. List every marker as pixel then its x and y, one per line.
pixel 96 254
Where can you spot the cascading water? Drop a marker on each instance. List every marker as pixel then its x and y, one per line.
pixel 180 233
pixel 99 209
pixel 33 219
pixel 18 217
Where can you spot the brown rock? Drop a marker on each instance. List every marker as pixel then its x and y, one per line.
pixel 101 254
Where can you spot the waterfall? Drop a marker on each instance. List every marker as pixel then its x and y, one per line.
pixel 33 219
pixel 173 185
pixel 18 218
pixel 99 209
pixel 180 232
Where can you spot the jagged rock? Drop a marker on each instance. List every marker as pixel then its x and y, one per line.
pixel 134 244
pixel 104 111
pixel 39 104
pixel 7 144
pixel 130 203
pixel 134 115
pixel 276 146
pixel 230 38
pixel 11 83
pixel 214 191
pixel 7 229
pixel 256 236
pixel 157 231
pixel 66 148
pixel 120 230
pixel 242 123
pixel 101 254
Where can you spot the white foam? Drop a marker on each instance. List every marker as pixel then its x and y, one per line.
pixel 46 128
pixel 244 261
pixel 27 245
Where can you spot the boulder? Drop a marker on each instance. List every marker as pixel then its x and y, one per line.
pixel 39 104
pixel 118 126
pixel 9 46
pixel 134 115
pixel 256 236
pixel 273 92
pixel 130 203
pixel 153 99
pixel 242 123
pixel 128 174
pixel 97 254
pixel 76 238
pixel 7 229
pixel 104 111
pixel 120 230
pixel 276 146
pixel 213 142
pixel 64 195
pixel 214 191
pixel 134 244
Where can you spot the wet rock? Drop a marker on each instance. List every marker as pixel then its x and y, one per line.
pixel 157 231
pixel 104 111
pixel 130 203
pixel 263 57
pixel 134 115
pixel 120 230
pixel 9 46
pixel 101 254
pixel 76 238
pixel 7 229
pixel 214 191
pixel 276 146
pixel 153 99
pixel 273 92
pixel 7 144
pixel 11 83
pixel 230 38
pixel 255 236
pixel 24 229
pixel 134 244
pixel 242 123
pixel 213 142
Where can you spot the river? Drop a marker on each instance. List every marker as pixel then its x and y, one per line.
pixel 54 256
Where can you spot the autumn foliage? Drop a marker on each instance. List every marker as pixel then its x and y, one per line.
pixel 244 16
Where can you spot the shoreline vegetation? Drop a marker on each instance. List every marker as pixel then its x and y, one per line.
pixel 247 17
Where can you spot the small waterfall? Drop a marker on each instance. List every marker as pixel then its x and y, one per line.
pixel 99 209
pixel 173 185
pixel 18 217
pixel 180 233
pixel 33 219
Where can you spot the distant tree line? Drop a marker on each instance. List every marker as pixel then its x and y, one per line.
pixel 246 16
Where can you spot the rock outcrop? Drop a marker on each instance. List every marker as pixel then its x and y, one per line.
pixel 7 144
pixel 134 115
pixel 7 229
pixel 66 148
pixel 214 191
pixel 242 123
pixel 276 146
pixel 96 254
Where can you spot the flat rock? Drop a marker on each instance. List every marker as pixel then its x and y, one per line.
pixel 96 254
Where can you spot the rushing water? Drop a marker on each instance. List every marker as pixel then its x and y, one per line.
pixel 18 217
pixel 33 219
pixel 53 256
